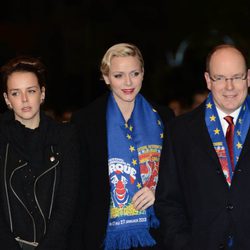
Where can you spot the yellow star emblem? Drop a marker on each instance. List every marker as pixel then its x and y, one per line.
pixel 132 148
pixel 216 131
pixel 134 162
pixel 162 135
pixel 244 107
pixel 138 185
pixel 240 121
pixel 239 145
pixel 129 136
pixel 212 118
pixel 238 133
pixel 130 127
pixel 159 122
pixel 209 105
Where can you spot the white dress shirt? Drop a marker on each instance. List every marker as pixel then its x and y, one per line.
pixel 223 122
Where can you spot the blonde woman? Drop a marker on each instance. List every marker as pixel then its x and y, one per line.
pixel 121 137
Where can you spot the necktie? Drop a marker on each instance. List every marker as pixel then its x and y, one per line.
pixel 230 138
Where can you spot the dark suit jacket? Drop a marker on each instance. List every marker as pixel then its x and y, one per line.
pixel 196 207
pixel 95 197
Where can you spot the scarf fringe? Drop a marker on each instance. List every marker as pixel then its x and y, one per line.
pixel 153 221
pixel 127 239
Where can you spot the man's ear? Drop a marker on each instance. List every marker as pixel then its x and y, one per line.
pixel 248 77
pixel 208 80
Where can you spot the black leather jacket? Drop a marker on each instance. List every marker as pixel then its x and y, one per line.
pixel 38 198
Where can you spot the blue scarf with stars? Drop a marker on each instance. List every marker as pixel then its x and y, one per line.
pixel 218 138
pixel 134 149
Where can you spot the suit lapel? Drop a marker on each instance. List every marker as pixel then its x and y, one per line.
pixel 245 149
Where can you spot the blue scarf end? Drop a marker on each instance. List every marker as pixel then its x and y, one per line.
pixel 127 239
pixel 154 222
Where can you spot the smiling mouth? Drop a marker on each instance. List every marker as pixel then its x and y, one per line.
pixel 229 96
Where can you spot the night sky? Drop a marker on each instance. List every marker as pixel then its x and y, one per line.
pixel 71 36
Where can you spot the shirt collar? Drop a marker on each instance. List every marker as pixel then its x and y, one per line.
pixel 222 114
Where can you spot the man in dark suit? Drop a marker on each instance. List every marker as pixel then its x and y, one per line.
pixel 203 193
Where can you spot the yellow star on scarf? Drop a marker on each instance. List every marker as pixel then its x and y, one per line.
pixel 134 162
pixel 212 118
pixel 239 145
pixel 138 185
pixel 126 125
pixel 244 107
pixel 130 127
pixel 132 148
pixel 209 105
pixel 240 121
pixel 159 122
pixel 217 144
pixel 161 135
pixel 129 136
pixel 238 133
pixel 216 131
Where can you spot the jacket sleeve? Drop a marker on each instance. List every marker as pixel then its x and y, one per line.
pixel 66 195
pixel 170 201
pixel 76 236
pixel 7 240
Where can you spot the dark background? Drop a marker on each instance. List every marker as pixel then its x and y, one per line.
pixel 71 36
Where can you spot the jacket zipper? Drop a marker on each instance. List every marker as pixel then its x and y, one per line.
pixel 34 191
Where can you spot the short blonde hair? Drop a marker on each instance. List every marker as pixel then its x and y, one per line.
pixel 120 50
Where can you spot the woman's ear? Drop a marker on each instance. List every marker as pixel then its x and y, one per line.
pixel 42 94
pixel 7 100
pixel 106 79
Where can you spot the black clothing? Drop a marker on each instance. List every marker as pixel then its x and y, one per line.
pixel 196 207
pixel 39 181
